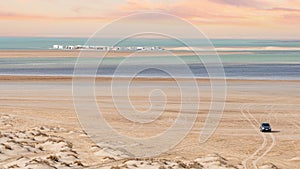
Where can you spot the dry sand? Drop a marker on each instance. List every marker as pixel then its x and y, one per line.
pixel 39 127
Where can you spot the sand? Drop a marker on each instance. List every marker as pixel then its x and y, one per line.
pixel 75 53
pixel 40 129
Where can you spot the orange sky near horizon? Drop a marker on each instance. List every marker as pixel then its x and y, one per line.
pixel 216 18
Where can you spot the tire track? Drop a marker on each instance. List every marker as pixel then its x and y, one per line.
pixel 295 121
pixel 245 161
pixel 270 110
pixel 266 152
pixel 263 149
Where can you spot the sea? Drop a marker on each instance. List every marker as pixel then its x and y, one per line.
pixel 262 59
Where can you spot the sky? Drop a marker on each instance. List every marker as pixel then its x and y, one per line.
pixel 269 19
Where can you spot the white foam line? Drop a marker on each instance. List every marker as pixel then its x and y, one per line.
pixel 234 49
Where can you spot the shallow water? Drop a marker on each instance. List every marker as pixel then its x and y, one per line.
pixel 40 43
pixel 65 67
pixel 259 62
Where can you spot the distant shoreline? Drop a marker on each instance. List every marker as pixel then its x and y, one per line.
pixel 107 78
pixel 76 53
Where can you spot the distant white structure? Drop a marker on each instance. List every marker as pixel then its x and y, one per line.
pixel 108 48
pixel 102 48
pixel 116 49
pixel 55 47
pixel 140 48
pixel 128 48
pixel 70 47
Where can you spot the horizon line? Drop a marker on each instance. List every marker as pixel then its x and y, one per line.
pixel 214 38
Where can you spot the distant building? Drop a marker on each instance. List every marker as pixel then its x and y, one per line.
pixel 70 47
pixel 58 47
pixel 107 48
pixel 116 48
pixel 102 48
pixel 139 48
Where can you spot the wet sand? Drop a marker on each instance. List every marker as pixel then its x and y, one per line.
pixel 76 53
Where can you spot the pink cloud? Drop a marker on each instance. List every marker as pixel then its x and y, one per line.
pixel 284 9
pixel 220 12
pixel 242 3
pixel 19 16
pixel 235 15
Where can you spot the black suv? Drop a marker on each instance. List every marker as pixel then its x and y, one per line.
pixel 265 127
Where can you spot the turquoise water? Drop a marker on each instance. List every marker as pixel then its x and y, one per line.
pixel 257 63
pixel 258 67
pixel 30 43
pixel 228 58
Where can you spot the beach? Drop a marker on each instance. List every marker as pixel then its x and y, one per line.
pixel 40 127
pixel 129 84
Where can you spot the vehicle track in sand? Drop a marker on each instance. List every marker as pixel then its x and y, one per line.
pixel 269 140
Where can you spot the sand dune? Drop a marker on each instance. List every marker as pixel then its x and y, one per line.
pixel 40 147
